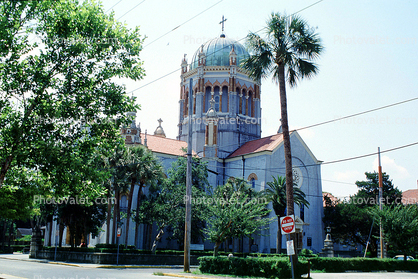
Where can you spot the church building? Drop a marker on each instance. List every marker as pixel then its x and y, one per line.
pixel 226 132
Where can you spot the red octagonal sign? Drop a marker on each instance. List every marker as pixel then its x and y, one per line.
pixel 287 224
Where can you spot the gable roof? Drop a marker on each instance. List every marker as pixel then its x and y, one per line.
pixel 258 145
pixel 164 145
pixel 410 196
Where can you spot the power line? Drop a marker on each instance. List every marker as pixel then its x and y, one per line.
pixel 213 53
pixel 131 9
pixel 183 23
pixel 113 6
pixel 357 114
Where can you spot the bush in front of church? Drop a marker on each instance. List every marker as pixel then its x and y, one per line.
pixel 268 267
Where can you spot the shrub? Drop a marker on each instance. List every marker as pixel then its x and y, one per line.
pixel 362 264
pixel 268 267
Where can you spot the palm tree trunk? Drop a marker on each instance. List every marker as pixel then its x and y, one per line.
pixel 279 238
pixel 109 213
pixel 137 214
pixel 287 150
pixel 116 216
pixel 128 214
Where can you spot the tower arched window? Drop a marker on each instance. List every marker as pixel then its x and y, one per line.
pixel 225 99
pixel 208 96
pixel 244 102
pixel 216 103
pixel 250 103
pixel 238 91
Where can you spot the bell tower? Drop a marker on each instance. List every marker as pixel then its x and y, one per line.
pixel 226 100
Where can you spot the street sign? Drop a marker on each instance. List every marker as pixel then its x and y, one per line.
pixel 290 248
pixel 287 224
pixel 119 232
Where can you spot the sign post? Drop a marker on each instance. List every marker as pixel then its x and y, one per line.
pixel 287 225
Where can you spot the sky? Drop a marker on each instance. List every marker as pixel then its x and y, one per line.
pixel 370 61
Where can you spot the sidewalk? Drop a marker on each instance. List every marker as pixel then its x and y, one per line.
pixel 177 271
pixel 25 257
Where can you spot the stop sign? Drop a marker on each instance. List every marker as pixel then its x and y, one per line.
pixel 287 224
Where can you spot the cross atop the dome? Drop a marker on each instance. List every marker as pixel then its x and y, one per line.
pixel 159 122
pixel 222 22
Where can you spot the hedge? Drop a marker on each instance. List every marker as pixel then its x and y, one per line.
pixel 269 267
pixel 362 264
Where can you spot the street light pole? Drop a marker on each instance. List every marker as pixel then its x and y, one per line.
pixel 188 219
pixel 380 202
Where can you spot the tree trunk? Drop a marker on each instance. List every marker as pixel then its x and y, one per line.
pixel 150 227
pixel 138 200
pixel 157 239
pixel 50 232
pixel 279 238
pixel 109 213
pixel 287 150
pixel 61 233
pixel 116 217
pixel 128 214
pixel 216 248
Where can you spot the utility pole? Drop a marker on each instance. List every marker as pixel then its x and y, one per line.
pixel 188 221
pixel 380 202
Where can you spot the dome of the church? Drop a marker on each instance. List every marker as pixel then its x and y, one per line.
pixel 217 52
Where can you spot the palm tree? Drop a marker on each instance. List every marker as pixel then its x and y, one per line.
pixel 276 193
pixel 143 168
pixel 286 54
pixel 150 173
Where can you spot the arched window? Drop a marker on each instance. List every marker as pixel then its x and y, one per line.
pixel 225 99
pixel 207 98
pixel 217 103
pixel 244 102
pixel 237 102
pixel 302 212
pixel 252 178
pixel 250 103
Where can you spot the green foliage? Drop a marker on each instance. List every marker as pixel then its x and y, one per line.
pixel 306 253
pixel 400 226
pixel 351 220
pixel 165 203
pixel 235 211
pixel 269 267
pixel 25 238
pixel 289 42
pixel 59 103
pixel 361 264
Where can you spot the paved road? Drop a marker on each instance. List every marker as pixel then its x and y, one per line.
pixel 20 266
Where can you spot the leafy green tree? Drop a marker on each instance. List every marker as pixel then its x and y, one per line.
pixel 287 53
pixel 350 220
pixel 58 100
pixel 165 202
pixel 400 226
pixel 276 193
pixel 235 211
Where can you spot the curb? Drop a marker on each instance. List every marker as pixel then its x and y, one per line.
pixel 183 276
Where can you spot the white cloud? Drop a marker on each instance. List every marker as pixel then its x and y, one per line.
pixel 397 173
pixel 342 184
pixel 390 167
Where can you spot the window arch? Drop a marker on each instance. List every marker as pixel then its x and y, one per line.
pixel 207 99
pixel 244 102
pixel 250 103
pixel 252 178
pixel 225 99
